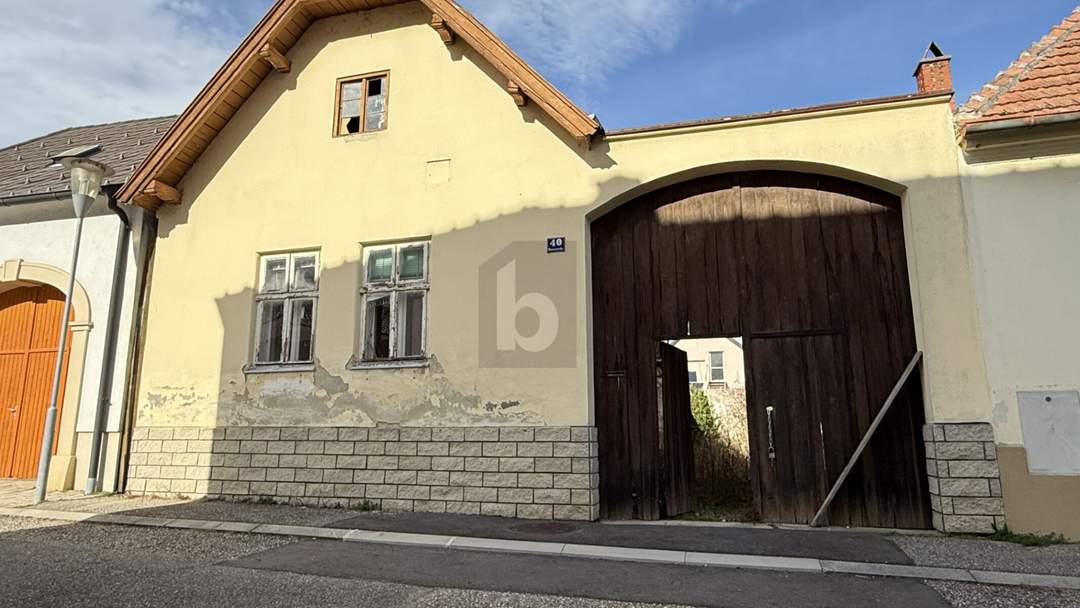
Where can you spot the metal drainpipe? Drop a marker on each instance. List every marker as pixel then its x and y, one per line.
pixel 148 238
pixel 112 330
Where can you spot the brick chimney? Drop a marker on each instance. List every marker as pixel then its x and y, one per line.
pixel 934 72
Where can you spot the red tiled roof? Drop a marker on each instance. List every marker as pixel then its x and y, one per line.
pixel 1044 80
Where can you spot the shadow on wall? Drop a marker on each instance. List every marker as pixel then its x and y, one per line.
pixel 449 391
pixel 313 42
pixel 333 395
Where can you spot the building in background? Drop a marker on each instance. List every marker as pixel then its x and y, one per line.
pixel 1020 169
pixel 36 235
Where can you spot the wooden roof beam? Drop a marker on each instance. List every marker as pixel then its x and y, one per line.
pixel 158 193
pixel 274 58
pixel 520 98
pixel 439 25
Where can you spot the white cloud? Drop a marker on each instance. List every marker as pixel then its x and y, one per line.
pixel 72 62
pixel 583 43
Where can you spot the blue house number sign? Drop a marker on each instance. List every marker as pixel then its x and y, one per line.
pixel 556 244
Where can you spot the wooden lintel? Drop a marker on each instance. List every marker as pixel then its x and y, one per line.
pixel 146 201
pixel 163 192
pixel 274 58
pixel 520 98
pixel 439 25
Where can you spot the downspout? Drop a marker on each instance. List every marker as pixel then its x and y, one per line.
pixel 112 331
pixel 148 243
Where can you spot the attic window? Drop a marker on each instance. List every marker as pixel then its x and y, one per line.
pixel 361 104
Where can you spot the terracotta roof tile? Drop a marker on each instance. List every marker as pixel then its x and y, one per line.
pixel 1044 80
pixel 27 167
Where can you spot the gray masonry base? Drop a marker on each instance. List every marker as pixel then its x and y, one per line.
pixel 526 472
pixel 965 480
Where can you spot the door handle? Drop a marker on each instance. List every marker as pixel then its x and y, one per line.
pixel 770 411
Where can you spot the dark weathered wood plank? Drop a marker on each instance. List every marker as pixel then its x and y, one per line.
pixel 812 270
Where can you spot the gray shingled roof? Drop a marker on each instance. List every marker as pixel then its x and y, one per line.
pixel 27 168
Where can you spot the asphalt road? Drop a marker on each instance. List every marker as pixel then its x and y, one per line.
pixel 98 565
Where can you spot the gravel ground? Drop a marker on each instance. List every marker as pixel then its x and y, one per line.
pixel 204 509
pixel 45 563
pixel 108 503
pixel 969 595
pixel 979 554
pixel 16 524
pixel 179 545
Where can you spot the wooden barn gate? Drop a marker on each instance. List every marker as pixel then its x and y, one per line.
pixel 812 272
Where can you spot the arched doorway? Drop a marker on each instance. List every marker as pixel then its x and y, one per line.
pixel 811 272
pixel 29 331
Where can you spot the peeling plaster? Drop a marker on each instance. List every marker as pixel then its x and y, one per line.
pixel 412 397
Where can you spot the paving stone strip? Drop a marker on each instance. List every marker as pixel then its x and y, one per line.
pixel 628 554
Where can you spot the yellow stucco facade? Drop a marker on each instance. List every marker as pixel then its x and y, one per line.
pixel 461 164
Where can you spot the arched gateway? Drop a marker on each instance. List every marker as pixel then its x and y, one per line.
pixel 811 271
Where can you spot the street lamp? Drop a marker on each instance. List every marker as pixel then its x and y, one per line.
pixel 86 178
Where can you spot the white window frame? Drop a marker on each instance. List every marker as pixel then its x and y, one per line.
pixel 290 296
pixel 712 369
pixel 695 382
pixel 395 287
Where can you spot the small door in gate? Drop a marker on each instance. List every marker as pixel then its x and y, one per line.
pixel 675 421
pixel 796 388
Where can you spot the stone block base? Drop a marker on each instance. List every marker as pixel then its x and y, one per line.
pixel 965 480
pixel 526 472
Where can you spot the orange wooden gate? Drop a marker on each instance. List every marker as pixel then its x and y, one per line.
pixel 29 336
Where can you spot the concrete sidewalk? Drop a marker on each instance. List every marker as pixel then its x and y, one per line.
pixel 364 529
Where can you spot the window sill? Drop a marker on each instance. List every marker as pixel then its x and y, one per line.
pixel 362 136
pixel 291 368
pixel 357 366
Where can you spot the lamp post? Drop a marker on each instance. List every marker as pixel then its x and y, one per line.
pixel 86 179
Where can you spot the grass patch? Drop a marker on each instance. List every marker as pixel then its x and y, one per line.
pixel 365 507
pixel 722 508
pixel 1027 539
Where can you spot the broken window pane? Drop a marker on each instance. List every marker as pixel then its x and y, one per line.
pixel 376 105
pixel 381 265
pixel 301 328
pixel 411 324
pixel 275 277
pixel 412 263
pixel 304 272
pixel 377 327
pixel 271 331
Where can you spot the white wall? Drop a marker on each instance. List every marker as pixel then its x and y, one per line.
pixel 1024 232
pixel 44 232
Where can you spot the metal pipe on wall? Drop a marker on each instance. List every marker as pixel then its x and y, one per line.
pixel 146 244
pixel 112 330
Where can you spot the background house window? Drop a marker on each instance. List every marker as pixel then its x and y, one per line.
pixel 716 367
pixel 694 382
pixel 285 308
pixel 395 302
pixel 361 104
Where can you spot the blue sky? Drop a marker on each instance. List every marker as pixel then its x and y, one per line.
pixel 632 62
